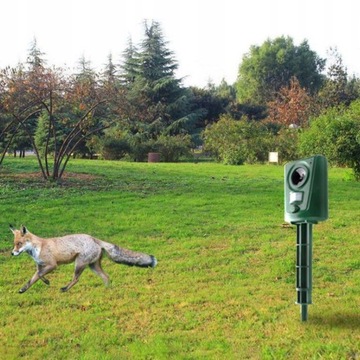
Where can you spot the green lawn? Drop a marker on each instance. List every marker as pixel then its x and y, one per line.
pixel 224 287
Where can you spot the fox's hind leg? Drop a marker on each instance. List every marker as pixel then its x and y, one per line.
pixel 96 268
pixel 45 280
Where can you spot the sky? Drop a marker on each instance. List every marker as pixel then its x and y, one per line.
pixel 208 37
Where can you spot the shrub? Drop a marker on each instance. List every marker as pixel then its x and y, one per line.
pixel 286 144
pixel 139 150
pixel 234 142
pixel 172 148
pixel 336 135
pixel 114 149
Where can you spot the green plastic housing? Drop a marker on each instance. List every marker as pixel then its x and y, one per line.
pixel 306 190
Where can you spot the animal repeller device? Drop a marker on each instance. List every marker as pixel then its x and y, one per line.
pixel 306 203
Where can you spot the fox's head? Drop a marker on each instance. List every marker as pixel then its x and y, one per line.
pixel 21 240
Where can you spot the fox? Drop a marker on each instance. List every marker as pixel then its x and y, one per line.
pixel 84 250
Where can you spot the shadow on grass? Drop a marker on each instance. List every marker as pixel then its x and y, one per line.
pixel 346 321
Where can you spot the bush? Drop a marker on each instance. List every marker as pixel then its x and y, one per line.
pixel 235 142
pixel 336 135
pixel 139 150
pixel 114 149
pixel 172 148
pixel 286 144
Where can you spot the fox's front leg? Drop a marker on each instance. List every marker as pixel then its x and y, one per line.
pixel 43 278
pixel 39 274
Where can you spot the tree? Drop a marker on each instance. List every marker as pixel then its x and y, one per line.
pixel 63 107
pixel 74 117
pixel 211 102
pixel 156 85
pixel 156 60
pixel 292 105
pixel 337 88
pixel 20 105
pixel 109 75
pixel 35 56
pixel 130 64
pixel 20 117
pixel 269 67
pixel 158 104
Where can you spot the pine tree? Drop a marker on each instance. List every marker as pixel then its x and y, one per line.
pixel 110 72
pixel 156 59
pixel 161 103
pixel 85 83
pixel 35 58
pixel 35 76
pixel 336 90
pixel 129 67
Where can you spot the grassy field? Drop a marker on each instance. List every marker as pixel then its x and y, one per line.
pixel 224 287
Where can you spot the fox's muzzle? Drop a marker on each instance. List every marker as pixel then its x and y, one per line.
pixel 15 253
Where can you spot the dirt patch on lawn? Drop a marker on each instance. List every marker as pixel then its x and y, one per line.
pixel 35 180
pixel 38 176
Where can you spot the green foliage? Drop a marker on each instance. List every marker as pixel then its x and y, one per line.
pixel 20 142
pixel 139 150
pixel 41 135
pixel 338 89
pixel 224 287
pixel 113 144
pixel 156 60
pixel 267 68
pixel 114 149
pixel 44 142
pixel 286 144
pixel 129 66
pixel 335 134
pixel 235 142
pixel 35 57
pixel 173 148
pixel 212 101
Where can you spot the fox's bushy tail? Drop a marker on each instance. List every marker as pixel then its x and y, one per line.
pixel 127 257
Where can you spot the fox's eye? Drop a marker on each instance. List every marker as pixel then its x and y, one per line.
pixel 19 243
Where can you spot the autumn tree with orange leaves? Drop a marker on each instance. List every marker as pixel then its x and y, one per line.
pixel 292 106
pixel 72 108
pixel 19 105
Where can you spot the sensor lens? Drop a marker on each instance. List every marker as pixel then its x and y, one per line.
pixel 298 176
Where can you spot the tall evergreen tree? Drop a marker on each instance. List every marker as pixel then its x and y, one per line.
pixel 85 83
pixel 157 61
pixel 35 74
pixel 337 89
pixel 129 67
pixel 110 72
pixel 35 56
pixel 161 104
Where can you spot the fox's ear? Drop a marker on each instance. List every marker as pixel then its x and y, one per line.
pixel 23 230
pixel 11 228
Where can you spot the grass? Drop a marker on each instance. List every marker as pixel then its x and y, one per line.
pixel 225 283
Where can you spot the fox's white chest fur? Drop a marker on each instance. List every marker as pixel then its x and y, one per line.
pixel 34 252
